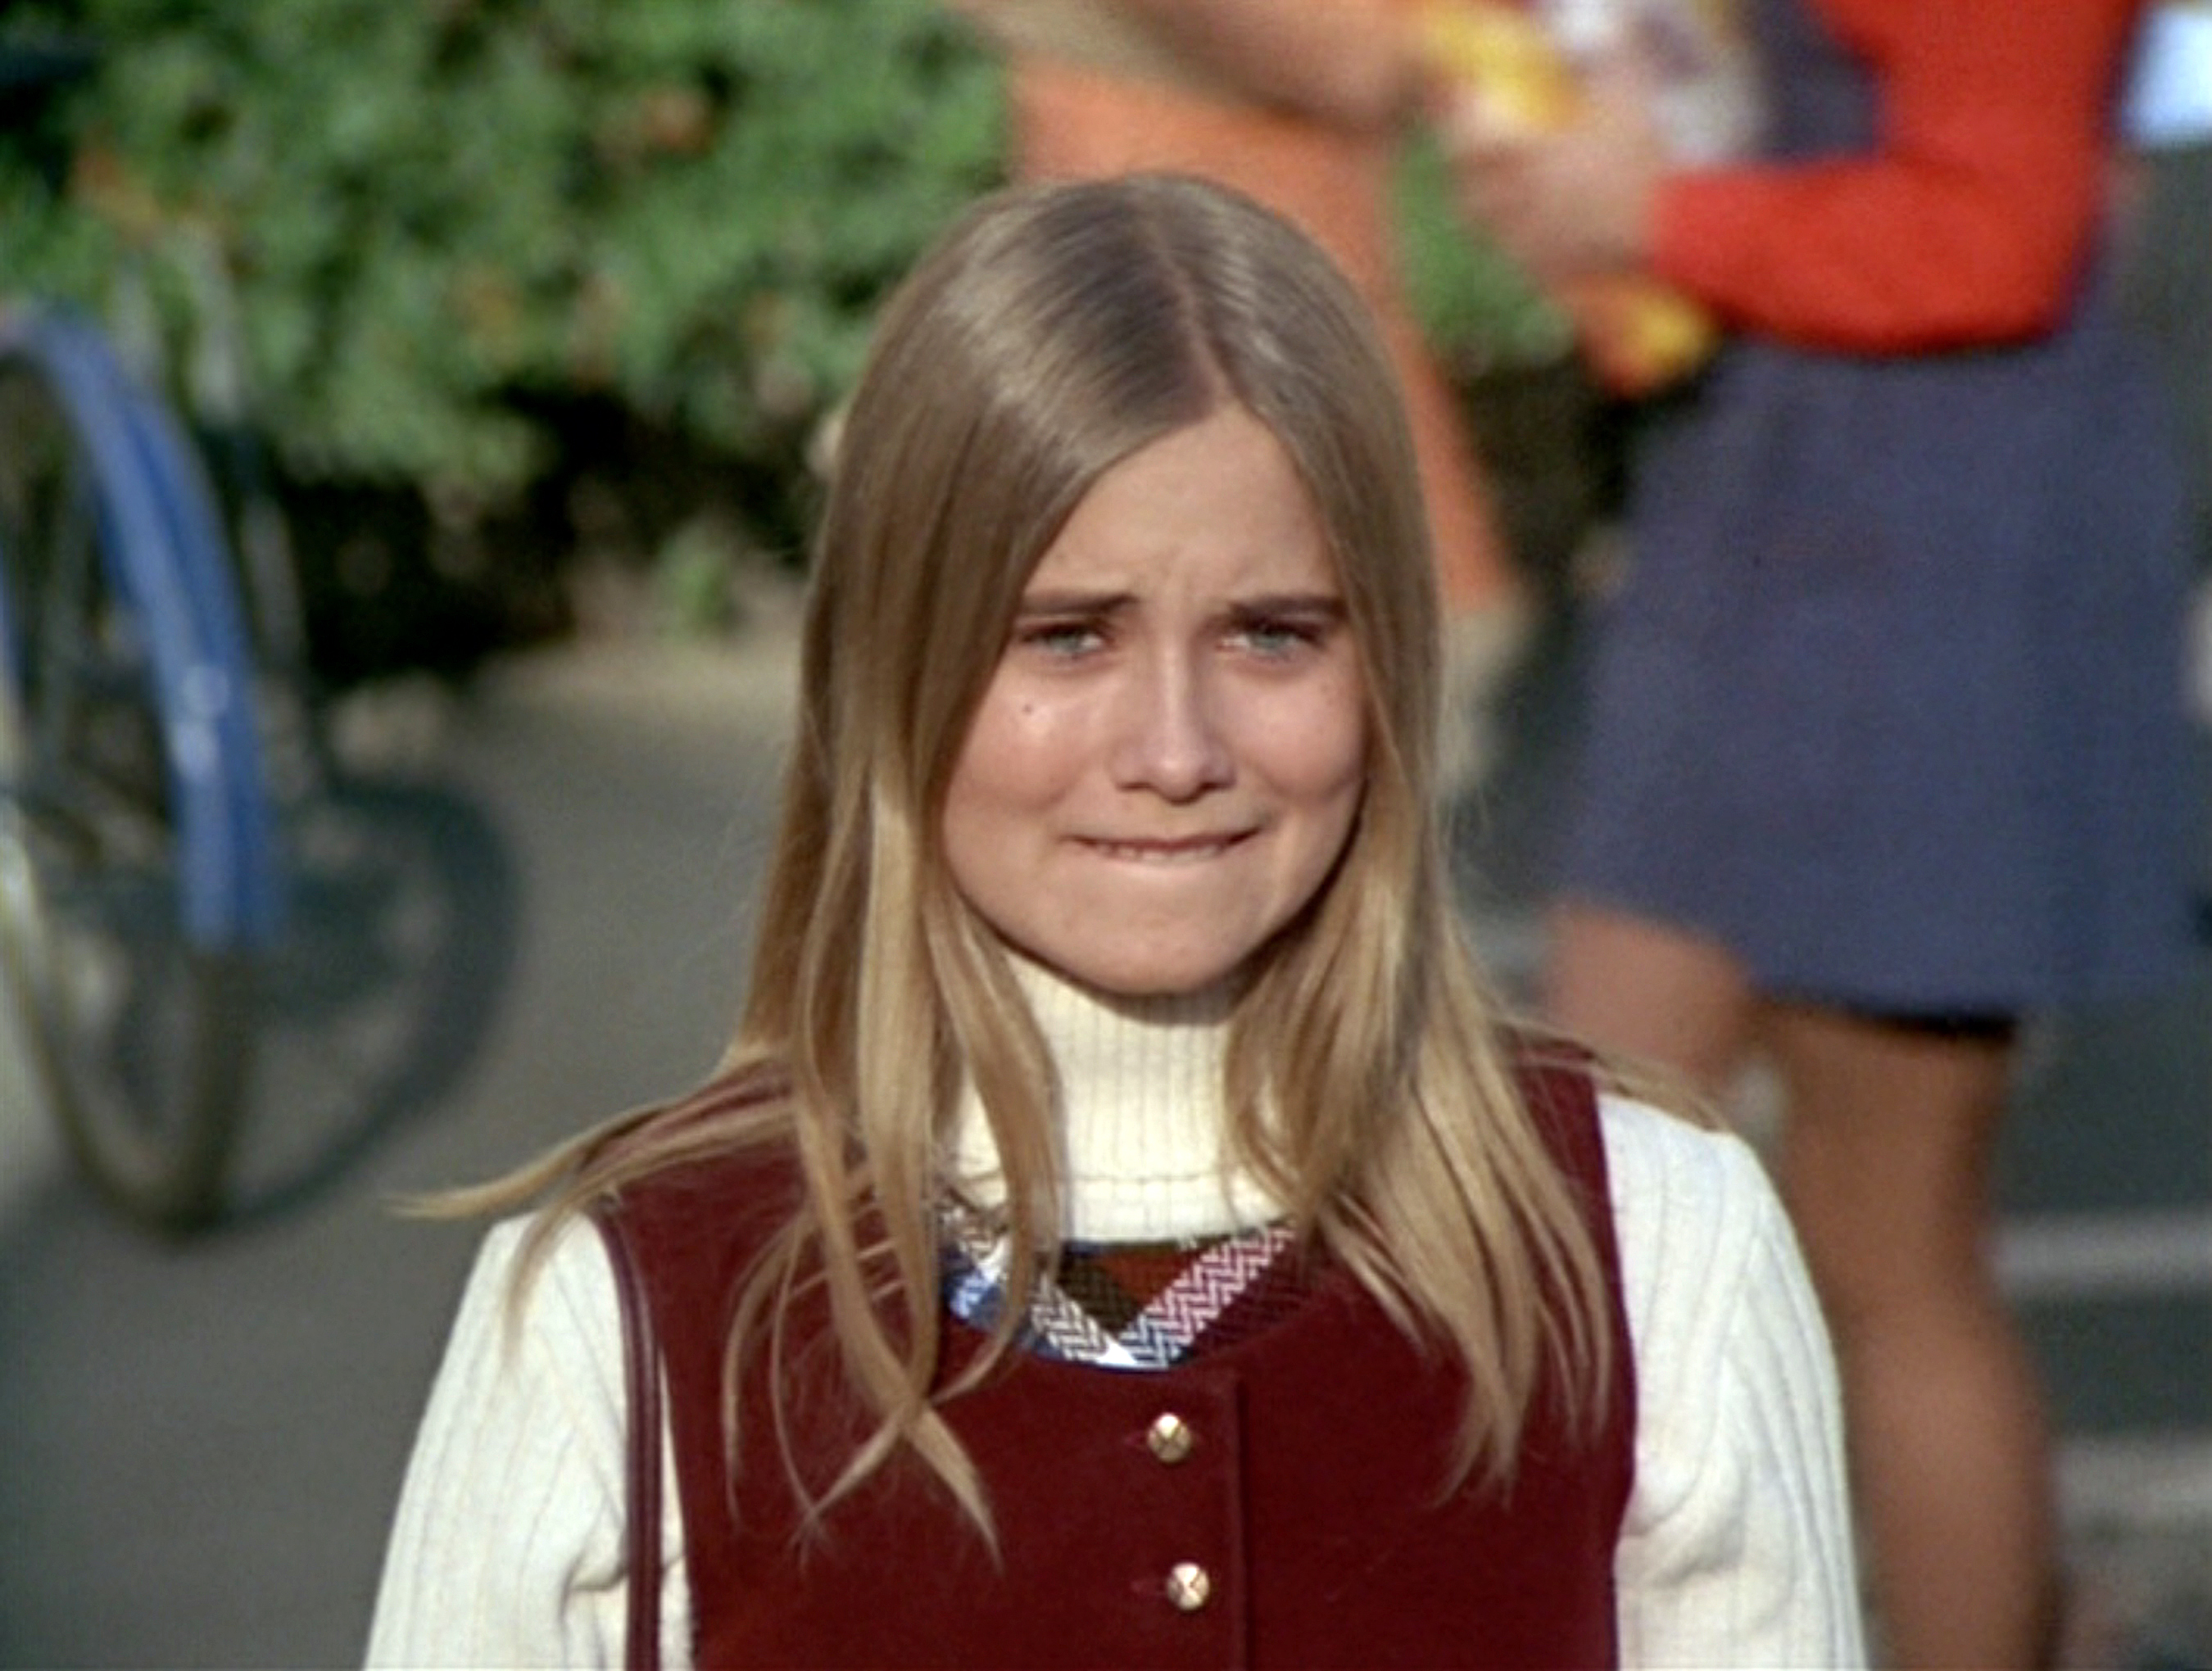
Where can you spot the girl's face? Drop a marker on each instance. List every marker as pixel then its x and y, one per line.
pixel 1170 755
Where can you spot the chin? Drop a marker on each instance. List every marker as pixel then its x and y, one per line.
pixel 1154 977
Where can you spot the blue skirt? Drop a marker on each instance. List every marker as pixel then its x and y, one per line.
pixel 1890 702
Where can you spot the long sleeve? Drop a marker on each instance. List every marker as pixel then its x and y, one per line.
pixel 509 1545
pixel 1737 1549
pixel 1968 220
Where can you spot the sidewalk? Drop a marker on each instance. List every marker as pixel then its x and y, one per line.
pixel 205 1442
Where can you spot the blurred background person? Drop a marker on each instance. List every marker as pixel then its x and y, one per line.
pixel 2167 272
pixel 1885 742
pixel 1301 104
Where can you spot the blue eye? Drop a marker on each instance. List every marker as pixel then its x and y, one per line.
pixel 1062 639
pixel 1274 638
pixel 1277 637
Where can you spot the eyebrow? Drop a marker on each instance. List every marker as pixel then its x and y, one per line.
pixel 1073 601
pixel 1290 603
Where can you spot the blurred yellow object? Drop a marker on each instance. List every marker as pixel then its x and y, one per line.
pixel 1506 55
pixel 1638 334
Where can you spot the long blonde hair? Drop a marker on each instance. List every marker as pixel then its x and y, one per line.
pixel 1051 334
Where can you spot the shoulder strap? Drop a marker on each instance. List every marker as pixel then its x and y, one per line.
pixel 642 1369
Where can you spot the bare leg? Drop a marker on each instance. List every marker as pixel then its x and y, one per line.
pixel 1885 1164
pixel 1655 993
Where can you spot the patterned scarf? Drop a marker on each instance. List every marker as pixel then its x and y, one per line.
pixel 1127 1306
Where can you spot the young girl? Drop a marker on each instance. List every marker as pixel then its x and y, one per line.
pixel 1122 1231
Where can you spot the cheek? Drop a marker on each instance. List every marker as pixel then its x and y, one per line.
pixel 973 823
pixel 1344 747
pixel 1335 761
pixel 1014 762
pixel 1319 749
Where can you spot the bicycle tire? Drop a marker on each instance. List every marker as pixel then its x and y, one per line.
pixel 142 895
pixel 397 958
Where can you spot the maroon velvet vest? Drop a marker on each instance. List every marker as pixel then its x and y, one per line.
pixel 1279 1503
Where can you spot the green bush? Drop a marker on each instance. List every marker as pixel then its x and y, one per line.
pixel 448 220
pixel 521 284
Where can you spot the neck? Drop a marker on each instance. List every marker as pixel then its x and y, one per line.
pixel 1140 1116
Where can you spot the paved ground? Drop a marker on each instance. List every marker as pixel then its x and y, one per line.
pixel 203 1442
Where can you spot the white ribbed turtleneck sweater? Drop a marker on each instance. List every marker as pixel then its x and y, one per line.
pixel 1141 1118
pixel 507 1549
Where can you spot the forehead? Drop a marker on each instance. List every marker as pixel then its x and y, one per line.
pixel 1218 503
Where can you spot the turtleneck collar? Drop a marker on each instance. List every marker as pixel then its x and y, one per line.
pixel 1142 1116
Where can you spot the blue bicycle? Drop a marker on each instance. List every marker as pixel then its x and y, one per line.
pixel 202 909
pixel 142 879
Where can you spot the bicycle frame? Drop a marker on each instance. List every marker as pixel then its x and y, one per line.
pixel 163 554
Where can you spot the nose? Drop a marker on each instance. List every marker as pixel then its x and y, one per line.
pixel 1169 736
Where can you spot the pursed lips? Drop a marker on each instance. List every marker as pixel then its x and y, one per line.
pixel 1182 849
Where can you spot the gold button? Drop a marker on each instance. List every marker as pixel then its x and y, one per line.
pixel 1190 1587
pixel 1171 1438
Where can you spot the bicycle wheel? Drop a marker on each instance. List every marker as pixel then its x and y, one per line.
pixel 399 945
pixel 139 992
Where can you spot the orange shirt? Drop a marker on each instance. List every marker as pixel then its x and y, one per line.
pixel 1070 122
pixel 1969 220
